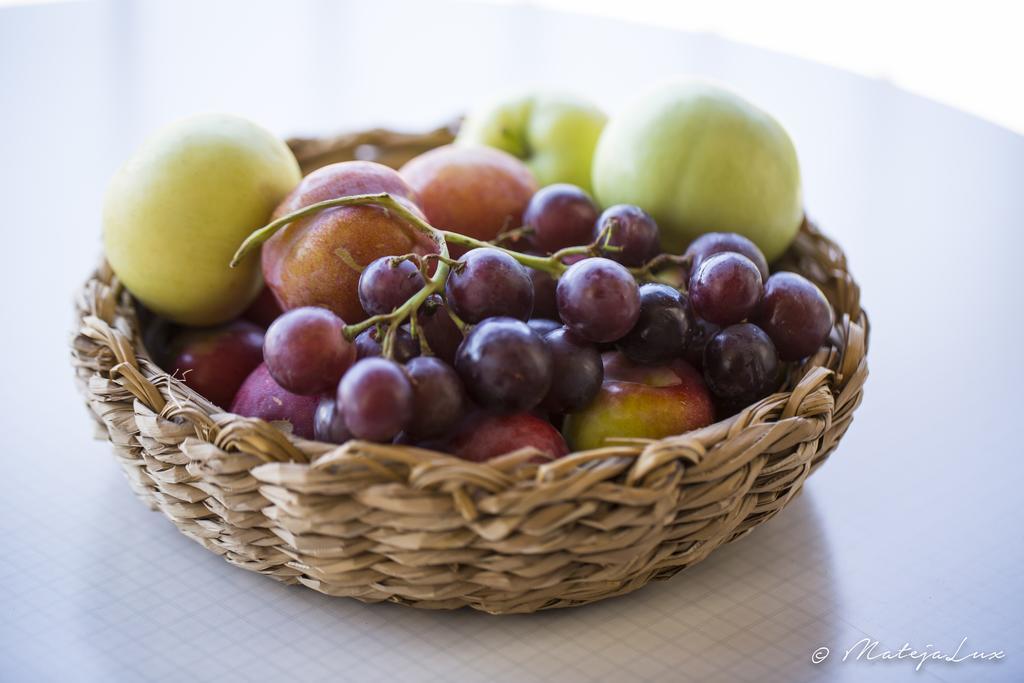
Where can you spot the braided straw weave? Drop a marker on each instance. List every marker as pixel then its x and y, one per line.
pixel 380 522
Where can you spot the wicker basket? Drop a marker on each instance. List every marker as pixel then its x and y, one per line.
pixel 378 522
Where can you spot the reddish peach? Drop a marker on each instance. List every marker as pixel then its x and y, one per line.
pixel 316 261
pixel 475 191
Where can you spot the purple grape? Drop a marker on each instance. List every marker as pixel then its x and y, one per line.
pixel 368 345
pixel 504 365
pixel 726 288
pixel 543 325
pixel 701 332
pixel 632 230
pixel 545 304
pixel 438 398
pixel 488 283
pixel 663 329
pixel 598 299
pixel 306 350
pixel 560 215
pixel 329 422
pixel 711 243
pixel 795 314
pixel 376 398
pixel 576 372
pixel 741 365
pixel 441 333
pixel 387 283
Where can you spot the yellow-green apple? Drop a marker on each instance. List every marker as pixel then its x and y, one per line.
pixel 177 210
pixel 474 191
pixel 317 260
pixel 641 401
pixel 700 158
pixel 555 134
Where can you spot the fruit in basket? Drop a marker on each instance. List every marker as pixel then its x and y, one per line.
pixel 726 288
pixel 475 191
pixel 576 372
pixel 699 158
pixel 260 396
pixel 368 344
pixel 598 299
pixel 329 422
pixel 483 436
pixel 178 208
pixel 440 332
pixel 560 216
pixel 663 328
pixel 306 350
pixel 504 365
pixel 545 303
pixel 387 283
pixel 630 231
pixel 376 399
pixel 741 364
pixel 438 398
pixel 215 361
pixel 555 134
pixel 711 243
pixel 795 314
pixel 264 309
pixel 317 260
pixel 641 401
pixel 488 283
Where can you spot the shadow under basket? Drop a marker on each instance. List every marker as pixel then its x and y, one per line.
pixel 380 522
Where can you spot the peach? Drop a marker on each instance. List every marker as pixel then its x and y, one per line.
pixel 316 261
pixel 474 191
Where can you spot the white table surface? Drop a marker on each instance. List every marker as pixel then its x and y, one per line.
pixel 910 533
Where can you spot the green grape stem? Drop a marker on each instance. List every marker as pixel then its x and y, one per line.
pixel 553 264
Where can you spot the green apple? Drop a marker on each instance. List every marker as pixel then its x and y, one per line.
pixel 700 158
pixel 554 134
pixel 177 210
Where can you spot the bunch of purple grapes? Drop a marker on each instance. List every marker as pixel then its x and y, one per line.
pixel 506 339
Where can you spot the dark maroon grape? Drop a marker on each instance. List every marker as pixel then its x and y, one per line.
pixel 489 283
pixel 438 329
pixel 329 422
pixel 560 215
pixel 504 365
pixel 368 344
pixel 598 299
pixel 542 325
pixel 741 364
pixel 438 398
pixel 376 398
pixel 576 372
pixel 701 332
pixel 795 314
pixel 632 230
pixel 306 350
pixel 387 283
pixel 726 288
pixel 712 243
pixel 545 305
pixel 663 329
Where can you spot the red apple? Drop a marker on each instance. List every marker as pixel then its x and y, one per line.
pixel 215 361
pixel 475 191
pixel 641 401
pixel 260 396
pixel 483 436
pixel 316 261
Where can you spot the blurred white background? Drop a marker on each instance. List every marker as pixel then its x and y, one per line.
pixel 966 54
pixel 969 55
